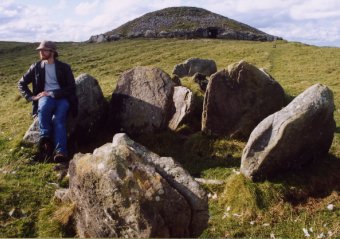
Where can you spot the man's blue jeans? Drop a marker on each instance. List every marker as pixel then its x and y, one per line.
pixel 52 114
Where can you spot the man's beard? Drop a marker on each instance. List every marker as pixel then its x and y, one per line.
pixel 44 57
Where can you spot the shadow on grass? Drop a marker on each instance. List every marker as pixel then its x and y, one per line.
pixel 318 180
pixel 196 152
pixel 337 130
pixel 288 98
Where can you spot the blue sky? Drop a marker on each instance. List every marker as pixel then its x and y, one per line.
pixel 315 22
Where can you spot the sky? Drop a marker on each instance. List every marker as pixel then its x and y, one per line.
pixel 315 22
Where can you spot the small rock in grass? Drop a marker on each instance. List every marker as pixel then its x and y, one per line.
pixel 330 207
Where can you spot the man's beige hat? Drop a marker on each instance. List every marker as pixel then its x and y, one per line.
pixel 48 45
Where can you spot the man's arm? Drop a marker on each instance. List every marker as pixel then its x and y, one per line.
pixel 26 79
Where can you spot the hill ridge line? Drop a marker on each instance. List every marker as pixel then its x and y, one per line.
pixel 184 22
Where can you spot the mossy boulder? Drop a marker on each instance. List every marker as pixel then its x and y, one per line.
pixel 124 190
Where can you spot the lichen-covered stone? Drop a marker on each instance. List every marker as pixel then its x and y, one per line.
pixel 237 99
pixel 124 190
pixel 142 100
pixel 292 137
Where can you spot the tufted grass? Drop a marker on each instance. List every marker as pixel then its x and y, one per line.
pixel 238 207
pixel 55 220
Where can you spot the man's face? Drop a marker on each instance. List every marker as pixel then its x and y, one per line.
pixel 45 54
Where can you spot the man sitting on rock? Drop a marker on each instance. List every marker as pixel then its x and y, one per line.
pixel 53 94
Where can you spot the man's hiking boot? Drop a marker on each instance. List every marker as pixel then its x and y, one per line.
pixel 60 158
pixel 45 147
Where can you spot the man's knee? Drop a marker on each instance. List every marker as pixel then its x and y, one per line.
pixel 63 106
pixel 45 104
pixel 59 123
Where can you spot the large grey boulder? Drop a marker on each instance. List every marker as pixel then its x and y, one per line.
pixel 150 34
pixel 114 37
pixel 195 65
pixel 163 34
pixel 135 34
pixel 92 39
pixel 299 133
pixel 92 109
pixel 237 99
pixel 123 190
pixel 101 38
pixel 142 100
pixel 92 106
pixel 228 34
pixel 184 105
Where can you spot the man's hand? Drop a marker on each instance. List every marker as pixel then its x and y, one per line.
pixel 41 94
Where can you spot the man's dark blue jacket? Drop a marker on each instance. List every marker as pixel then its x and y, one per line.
pixel 36 76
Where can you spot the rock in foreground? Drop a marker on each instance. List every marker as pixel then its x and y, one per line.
pixel 124 190
pixel 238 99
pixel 301 132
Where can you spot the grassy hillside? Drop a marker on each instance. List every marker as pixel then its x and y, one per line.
pixel 238 208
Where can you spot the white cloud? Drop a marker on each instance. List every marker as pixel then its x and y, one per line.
pixel 316 9
pixel 8 10
pixel 62 4
pixel 311 33
pixel 84 8
pixel 22 23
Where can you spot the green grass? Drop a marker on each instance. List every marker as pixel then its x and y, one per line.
pixel 241 208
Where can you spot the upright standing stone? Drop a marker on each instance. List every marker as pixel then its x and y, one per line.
pixel 142 100
pixel 238 99
pixel 299 133
pixel 183 101
pixel 92 107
